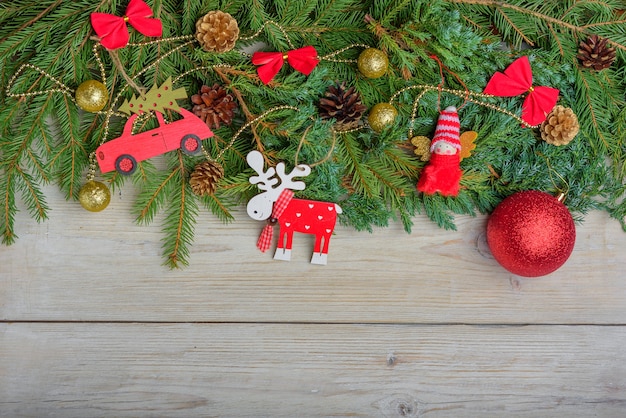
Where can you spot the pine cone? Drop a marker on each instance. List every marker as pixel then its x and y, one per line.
pixel 217 31
pixel 205 176
pixel 214 106
pixel 595 53
pixel 343 105
pixel 560 127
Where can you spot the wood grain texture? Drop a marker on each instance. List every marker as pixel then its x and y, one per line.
pixel 102 267
pixel 395 325
pixel 183 370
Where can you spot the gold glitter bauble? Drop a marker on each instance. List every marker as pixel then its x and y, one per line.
pixel 381 116
pixel 91 96
pixel 373 63
pixel 94 196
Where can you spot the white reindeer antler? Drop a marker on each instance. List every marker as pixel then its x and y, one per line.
pixel 286 180
pixel 260 206
pixel 264 180
pixel 267 181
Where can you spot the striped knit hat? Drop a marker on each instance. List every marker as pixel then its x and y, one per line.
pixel 448 129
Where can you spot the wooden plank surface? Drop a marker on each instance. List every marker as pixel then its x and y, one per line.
pixel 193 370
pixel 425 324
pixel 102 267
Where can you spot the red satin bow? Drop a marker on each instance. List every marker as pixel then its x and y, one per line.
pixel 518 79
pixel 112 29
pixel 303 60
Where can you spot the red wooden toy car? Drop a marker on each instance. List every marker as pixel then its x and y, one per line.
pixel 123 153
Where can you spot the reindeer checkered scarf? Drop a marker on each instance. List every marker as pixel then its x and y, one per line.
pixel 265 239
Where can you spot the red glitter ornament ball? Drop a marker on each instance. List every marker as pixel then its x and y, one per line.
pixel 531 233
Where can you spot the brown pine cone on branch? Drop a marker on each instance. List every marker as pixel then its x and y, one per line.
pixel 342 105
pixel 595 53
pixel 214 106
pixel 205 177
pixel 217 31
pixel 560 127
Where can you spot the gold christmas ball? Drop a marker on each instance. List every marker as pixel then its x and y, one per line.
pixel 94 196
pixel 91 96
pixel 373 63
pixel 381 116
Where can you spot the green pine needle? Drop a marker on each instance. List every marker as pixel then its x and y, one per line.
pixel 46 138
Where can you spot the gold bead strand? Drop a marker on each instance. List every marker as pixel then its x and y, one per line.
pixel 61 89
pixel 331 57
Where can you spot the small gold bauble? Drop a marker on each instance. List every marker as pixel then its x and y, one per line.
pixel 91 96
pixel 94 196
pixel 381 116
pixel 373 63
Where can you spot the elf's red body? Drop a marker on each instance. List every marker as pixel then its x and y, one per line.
pixel 310 217
pixel 441 175
pixel 443 172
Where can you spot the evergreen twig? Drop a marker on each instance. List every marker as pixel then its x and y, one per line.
pixel 45 137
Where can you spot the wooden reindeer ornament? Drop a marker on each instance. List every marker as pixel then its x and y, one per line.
pixel 277 204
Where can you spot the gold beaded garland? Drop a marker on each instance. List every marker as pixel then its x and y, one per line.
pixel 373 63
pixel 381 116
pixel 91 96
pixel 94 196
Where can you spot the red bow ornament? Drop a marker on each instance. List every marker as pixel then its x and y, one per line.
pixel 112 29
pixel 303 60
pixel 518 79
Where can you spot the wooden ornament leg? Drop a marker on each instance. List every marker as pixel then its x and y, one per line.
pixel 283 248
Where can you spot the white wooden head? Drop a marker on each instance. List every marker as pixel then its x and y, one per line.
pixel 260 206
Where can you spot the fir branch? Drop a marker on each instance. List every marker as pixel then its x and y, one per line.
pixel 372 175
pixel 70 156
pixel 34 19
pixel 218 207
pixel 180 219
pixel 8 210
pixel 32 195
pixel 500 6
pixel 154 197
pixel 244 107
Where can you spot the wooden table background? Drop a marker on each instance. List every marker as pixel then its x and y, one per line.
pixel 426 324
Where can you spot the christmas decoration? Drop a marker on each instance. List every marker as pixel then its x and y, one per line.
pixel 50 47
pixel 560 127
pixel 157 99
pixel 381 116
pixel 373 63
pixel 595 52
pixel 303 60
pixel 343 105
pixel 518 79
pixel 123 153
pixel 205 176
pixel 112 29
pixel 531 233
pixel 91 96
pixel 422 147
pixel 94 196
pixel 217 31
pixel 293 215
pixel 214 106
pixel 467 144
pixel 443 172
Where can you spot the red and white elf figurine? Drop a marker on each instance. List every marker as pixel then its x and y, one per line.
pixel 443 172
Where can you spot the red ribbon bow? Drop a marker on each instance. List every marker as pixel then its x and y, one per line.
pixel 265 240
pixel 518 79
pixel 112 29
pixel 303 60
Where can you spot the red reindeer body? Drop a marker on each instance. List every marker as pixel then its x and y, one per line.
pixel 309 217
pixel 276 203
